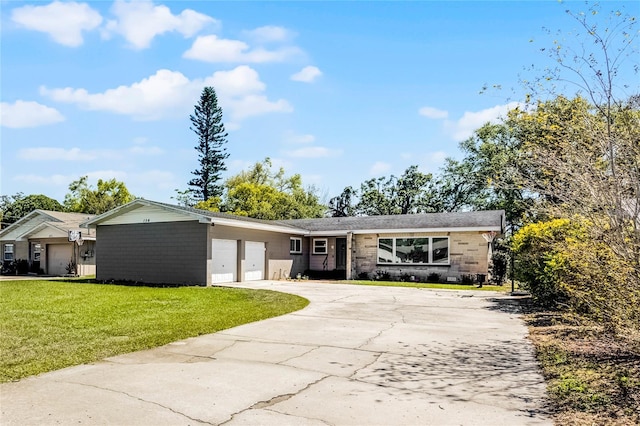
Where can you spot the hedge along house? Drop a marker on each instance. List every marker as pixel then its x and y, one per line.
pixel 408 247
pixel 151 242
pixel 40 243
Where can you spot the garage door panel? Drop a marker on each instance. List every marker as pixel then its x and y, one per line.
pixel 58 257
pixel 254 261
pixel 224 256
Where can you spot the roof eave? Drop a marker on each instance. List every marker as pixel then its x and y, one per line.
pixel 495 228
pixel 258 226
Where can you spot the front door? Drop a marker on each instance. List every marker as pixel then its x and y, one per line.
pixel 341 254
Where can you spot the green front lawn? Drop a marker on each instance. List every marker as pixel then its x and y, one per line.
pixel 48 325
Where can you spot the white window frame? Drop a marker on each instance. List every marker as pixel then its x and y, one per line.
pixel 297 245
pixel 5 251
pixel 325 247
pixel 37 252
pixel 430 262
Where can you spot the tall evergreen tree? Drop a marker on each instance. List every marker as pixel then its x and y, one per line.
pixel 207 124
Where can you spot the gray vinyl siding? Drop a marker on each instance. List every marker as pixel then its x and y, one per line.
pixel 155 253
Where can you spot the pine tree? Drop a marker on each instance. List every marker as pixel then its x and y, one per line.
pixel 207 124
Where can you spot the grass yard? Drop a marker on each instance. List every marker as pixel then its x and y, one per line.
pixel 48 325
pixel 503 288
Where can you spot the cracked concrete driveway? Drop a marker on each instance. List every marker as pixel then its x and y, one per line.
pixel 357 355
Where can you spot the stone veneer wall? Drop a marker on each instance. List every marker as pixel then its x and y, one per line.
pixel 467 254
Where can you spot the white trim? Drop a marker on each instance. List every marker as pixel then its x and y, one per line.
pixel 298 241
pixel 258 226
pixel 326 245
pixel 405 230
pixel 202 218
pixel 4 252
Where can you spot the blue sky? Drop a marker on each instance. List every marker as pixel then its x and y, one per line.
pixel 338 92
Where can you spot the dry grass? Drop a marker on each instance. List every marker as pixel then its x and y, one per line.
pixel 593 377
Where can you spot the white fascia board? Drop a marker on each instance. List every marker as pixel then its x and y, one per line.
pixel 135 204
pixel 257 226
pixel 330 233
pixel 407 230
pixel 35 230
pixel 20 222
pixel 97 219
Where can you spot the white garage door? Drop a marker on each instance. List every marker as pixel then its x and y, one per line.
pixel 224 254
pixel 58 257
pixel 254 261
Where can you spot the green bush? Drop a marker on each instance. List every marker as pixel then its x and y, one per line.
pixel 539 259
pixel 568 263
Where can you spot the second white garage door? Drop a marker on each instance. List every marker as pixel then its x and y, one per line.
pixel 254 261
pixel 224 257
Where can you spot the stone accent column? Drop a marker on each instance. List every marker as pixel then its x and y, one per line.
pixel 349 271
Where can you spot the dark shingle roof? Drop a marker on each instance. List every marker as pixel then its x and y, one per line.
pixel 493 218
pixel 475 220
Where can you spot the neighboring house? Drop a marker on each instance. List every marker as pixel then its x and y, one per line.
pixel 40 243
pixel 151 242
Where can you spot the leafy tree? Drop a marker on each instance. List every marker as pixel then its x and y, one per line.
pixel 488 177
pixel 208 126
pixel 344 204
pixel 583 158
pixel 263 193
pixel 17 206
pixel 184 197
pixel 109 194
pixel 410 193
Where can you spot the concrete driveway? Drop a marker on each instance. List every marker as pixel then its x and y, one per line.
pixel 357 355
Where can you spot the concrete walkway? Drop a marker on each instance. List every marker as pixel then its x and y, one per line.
pixel 357 355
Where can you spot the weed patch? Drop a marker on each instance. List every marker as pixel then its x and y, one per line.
pixel 593 378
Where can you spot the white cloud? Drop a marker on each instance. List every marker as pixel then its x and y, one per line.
pixel 49 181
pixel 139 22
pixel 307 74
pixel 242 80
pixel 78 154
pixel 471 121
pixel 23 114
pixel 313 152
pixel 434 113
pixel 253 105
pixel 269 33
pixel 379 168
pixel 140 140
pixel 294 138
pixel 436 157
pixel 169 93
pixel 158 179
pixel 57 154
pixel 210 48
pixel 92 177
pixel 146 150
pixel 64 22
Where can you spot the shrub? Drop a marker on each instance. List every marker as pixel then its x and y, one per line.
pixel 383 275
pixel 433 277
pixel 539 260
pixel 363 276
pixel 499 263
pixel 467 279
pixel 567 263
